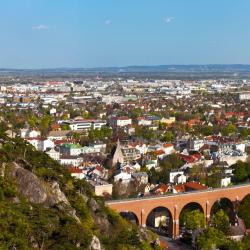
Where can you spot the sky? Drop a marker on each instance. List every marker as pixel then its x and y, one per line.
pixel 105 33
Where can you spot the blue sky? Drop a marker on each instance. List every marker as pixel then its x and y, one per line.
pixel 92 33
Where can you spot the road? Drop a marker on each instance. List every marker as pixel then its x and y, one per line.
pixel 175 244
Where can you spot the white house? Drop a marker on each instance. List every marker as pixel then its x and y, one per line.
pixel 168 148
pixel 34 133
pixel 226 181
pixel 71 161
pixel 181 178
pixel 35 142
pixel 241 147
pixel 52 153
pixel 52 111
pixel 120 121
pixel 77 173
pixel 196 144
pixel 123 176
pixel 24 132
pixel 47 144
pixel 136 166
pixel 85 124
pixel 142 121
pixel 76 149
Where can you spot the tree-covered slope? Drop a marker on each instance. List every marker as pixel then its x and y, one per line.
pixel 42 207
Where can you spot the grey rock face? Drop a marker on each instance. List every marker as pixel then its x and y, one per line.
pixel 95 244
pixel 28 184
pixel 34 189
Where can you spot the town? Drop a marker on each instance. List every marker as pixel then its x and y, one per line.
pixel 141 139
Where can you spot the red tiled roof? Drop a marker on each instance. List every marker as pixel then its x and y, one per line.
pixel 195 186
pixel 99 168
pixel 161 188
pixel 179 188
pixel 74 170
pixel 189 186
pixel 159 152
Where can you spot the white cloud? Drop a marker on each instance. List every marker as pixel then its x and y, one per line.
pixel 169 19
pixel 40 27
pixel 107 22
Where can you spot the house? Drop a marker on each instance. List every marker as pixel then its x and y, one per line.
pixel 85 124
pixel 10 133
pixel 34 133
pixel 142 148
pixel 136 166
pixel 158 217
pixel 52 153
pixel 71 160
pixel 168 121
pixel 177 176
pixel 240 147
pixel 99 172
pixel 141 177
pixel 123 177
pixel 58 135
pixel 161 189
pixel 76 172
pixel 77 149
pixel 120 121
pixel 151 164
pixel 168 148
pixel 130 154
pixel 101 188
pixel 47 144
pixel 160 154
pixel 148 188
pixel 195 144
pixel 188 186
pixel 143 121
pixel 225 181
pixel 26 133
pixel 35 142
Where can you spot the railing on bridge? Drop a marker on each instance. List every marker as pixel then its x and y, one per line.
pixel 178 194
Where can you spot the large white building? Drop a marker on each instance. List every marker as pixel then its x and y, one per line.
pixel 85 124
pixel 244 96
pixel 120 121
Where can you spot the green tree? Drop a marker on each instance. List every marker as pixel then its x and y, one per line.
pixel 44 124
pixel 240 171
pixel 211 239
pixel 33 121
pixel 229 129
pixel 207 130
pixel 220 221
pixel 244 133
pixel 194 220
pixel 65 127
pixel 244 211
pixel 167 136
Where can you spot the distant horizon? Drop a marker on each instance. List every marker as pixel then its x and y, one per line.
pixel 127 66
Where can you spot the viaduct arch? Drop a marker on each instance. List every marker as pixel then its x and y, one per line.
pixel 141 207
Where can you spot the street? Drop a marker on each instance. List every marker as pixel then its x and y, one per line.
pixel 175 244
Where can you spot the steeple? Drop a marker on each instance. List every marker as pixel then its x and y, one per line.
pixel 118 156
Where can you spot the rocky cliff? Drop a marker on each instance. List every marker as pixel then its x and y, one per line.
pixel 42 207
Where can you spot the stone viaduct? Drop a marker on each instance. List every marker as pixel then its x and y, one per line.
pixel 141 207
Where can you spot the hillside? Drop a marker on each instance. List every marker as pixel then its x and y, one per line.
pixel 42 207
